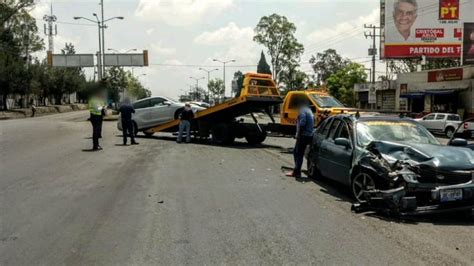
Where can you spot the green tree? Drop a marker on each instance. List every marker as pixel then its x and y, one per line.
pixel 116 83
pixel 327 63
pixel 216 87
pixel 294 80
pixel 239 79
pixel 135 88
pixel 262 67
pixel 341 83
pixel 277 34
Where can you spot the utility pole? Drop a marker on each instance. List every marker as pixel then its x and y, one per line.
pixel 48 30
pixel 373 50
pixel 223 63
pixel 197 86
pixel 208 78
pixel 103 36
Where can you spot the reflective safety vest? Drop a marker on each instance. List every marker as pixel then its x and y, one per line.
pixel 95 106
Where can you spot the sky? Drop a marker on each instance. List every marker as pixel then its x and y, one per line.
pixel 184 35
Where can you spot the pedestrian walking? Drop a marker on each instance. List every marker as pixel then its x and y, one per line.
pixel 96 109
pixel 185 123
pixel 33 108
pixel 126 110
pixel 304 136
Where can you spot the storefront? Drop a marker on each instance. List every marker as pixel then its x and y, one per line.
pixel 445 90
pixel 380 98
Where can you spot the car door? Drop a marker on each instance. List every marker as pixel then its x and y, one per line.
pixel 326 154
pixel 340 157
pixel 428 121
pixel 159 111
pixel 141 115
pixel 439 122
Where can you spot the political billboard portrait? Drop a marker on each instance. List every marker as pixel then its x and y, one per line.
pixel 431 28
pixel 468 44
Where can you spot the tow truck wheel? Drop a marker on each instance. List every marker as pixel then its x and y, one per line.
pixel 222 134
pixel 257 138
pixel 360 183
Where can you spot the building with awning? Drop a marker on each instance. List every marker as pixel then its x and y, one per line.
pixel 443 90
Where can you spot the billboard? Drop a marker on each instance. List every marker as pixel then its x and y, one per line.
pixel 132 60
pixel 433 28
pixel 468 44
pixel 72 60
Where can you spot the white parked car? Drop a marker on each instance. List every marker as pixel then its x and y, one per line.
pixel 442 123
pixel 154 111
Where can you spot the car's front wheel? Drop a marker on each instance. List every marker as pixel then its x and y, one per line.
pixel 361 183
pixel 449 132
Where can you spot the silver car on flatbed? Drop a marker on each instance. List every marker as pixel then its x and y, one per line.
pixel 153 111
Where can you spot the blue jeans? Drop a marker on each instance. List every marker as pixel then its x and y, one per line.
pixel 184 125
pixel 298 152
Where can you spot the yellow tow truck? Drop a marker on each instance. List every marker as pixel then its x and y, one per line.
pixel 224 122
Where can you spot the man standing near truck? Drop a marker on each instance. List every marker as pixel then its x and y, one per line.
pixel 304 135
pixel 126 110
pixel 185 123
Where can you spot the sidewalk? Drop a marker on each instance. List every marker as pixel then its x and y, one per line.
pixel 41 111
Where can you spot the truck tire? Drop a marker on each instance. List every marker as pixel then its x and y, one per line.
pixel 222 134
pixel 255 138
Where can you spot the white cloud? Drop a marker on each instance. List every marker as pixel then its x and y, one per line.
pixel 180 12
pixel 159 49
pixel 150 31
pixel 343 28
pixel 228 34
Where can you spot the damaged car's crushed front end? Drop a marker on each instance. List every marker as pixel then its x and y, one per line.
pixel 420 178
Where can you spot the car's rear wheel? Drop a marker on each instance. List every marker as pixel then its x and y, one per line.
pixel 360 183
pixel 178 112
pixel 449 132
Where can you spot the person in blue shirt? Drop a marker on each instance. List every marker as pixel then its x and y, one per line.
pixel 304 135
pixel 126 110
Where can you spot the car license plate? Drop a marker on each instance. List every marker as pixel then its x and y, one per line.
pixel 450 195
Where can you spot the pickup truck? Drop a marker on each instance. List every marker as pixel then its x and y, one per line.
pixel 447 124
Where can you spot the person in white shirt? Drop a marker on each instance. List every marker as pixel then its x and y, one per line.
pixel 404 16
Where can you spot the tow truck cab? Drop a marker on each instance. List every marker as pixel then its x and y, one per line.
pixel 320 102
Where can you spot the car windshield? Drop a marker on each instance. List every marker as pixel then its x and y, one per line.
pixel 396 131
pixel 326 101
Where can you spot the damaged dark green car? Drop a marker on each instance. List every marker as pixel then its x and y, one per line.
pixel 393 165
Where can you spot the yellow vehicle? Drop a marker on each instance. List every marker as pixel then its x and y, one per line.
pixel 259 92
pixel 320 101
pixel 224 123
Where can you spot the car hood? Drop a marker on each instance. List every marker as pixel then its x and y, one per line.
pixel 438 156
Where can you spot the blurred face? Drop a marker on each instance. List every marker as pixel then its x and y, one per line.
pixel 404 16
pixel 472 36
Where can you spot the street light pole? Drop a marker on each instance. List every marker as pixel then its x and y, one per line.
pixel 99 55
pixel 103 34
pixel 223 63
pixel 208 78
pixel 197 85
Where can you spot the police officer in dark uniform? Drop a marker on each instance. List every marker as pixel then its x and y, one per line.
pixel 126 111
pixel 96 107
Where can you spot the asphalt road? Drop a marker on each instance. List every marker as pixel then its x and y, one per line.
pixel 169 204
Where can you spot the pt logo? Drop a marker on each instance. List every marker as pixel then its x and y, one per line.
pixel 448 9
